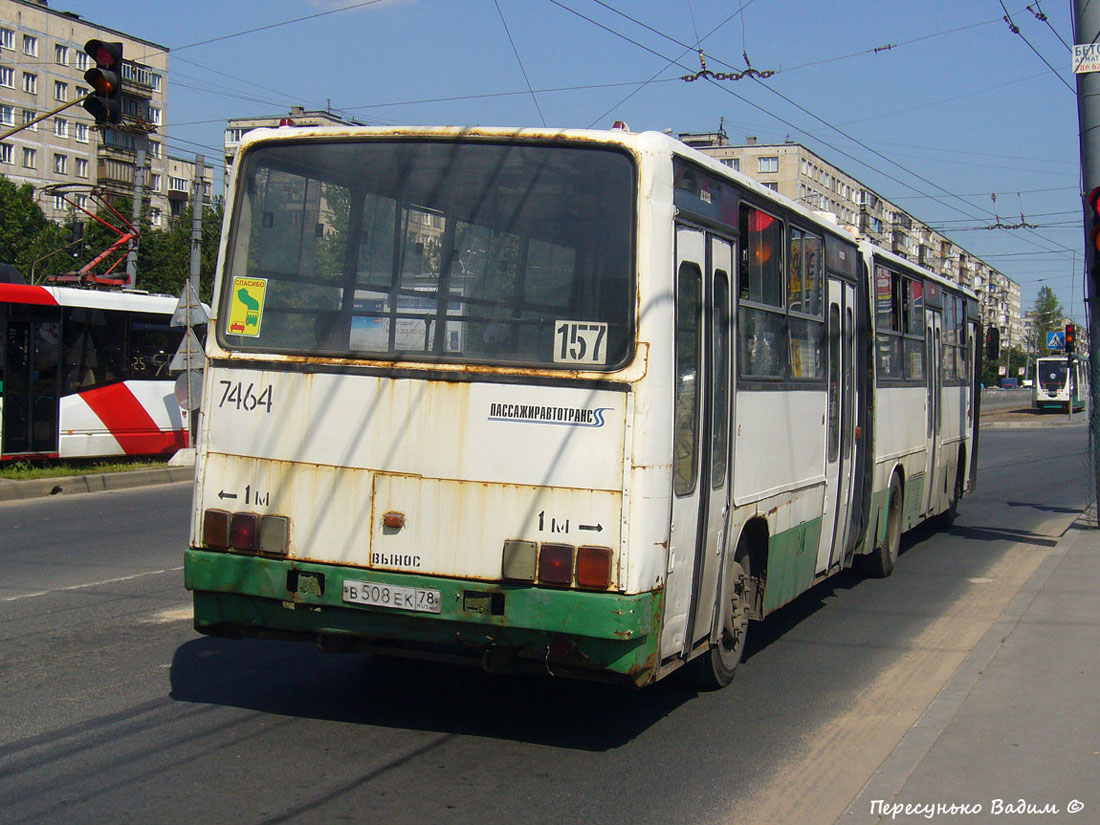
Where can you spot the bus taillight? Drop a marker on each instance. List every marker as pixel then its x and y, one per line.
pixel 215 529
pixel 244 531
pixel 556 564
pixel 594 567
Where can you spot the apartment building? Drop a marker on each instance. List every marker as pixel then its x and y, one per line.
pixel 178 185
pixel 297 116
pixel 42 65
pixel 804 176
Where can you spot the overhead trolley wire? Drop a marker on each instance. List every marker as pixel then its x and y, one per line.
pixel 1016 30
pixel 277 25
pixel 519 60
pixel 862 162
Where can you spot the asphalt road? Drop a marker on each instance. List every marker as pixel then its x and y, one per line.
pixel 116 711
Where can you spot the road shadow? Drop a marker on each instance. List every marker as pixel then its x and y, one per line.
pixel 298 680
pixel 1045 508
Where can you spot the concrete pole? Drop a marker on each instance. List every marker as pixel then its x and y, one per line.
pixel 141 141
pixel 1086 29
pixel 196 259
pixel 196 221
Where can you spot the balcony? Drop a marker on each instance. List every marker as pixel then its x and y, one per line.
pixel 139 80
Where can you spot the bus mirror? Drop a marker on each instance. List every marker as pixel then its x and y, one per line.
pixel 992 344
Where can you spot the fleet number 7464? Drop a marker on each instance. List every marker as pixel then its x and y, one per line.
pixel 244 397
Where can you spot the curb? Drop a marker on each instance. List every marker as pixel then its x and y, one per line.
pixel 98 482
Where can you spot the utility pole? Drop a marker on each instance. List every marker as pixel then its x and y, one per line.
pixel 141 140
pixel 196 221
pixel 1086 31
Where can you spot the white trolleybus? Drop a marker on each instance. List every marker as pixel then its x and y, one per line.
pixel 84 373
pixel 577 401
pixel 1060 381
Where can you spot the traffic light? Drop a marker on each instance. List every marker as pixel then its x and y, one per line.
pixel 992 344
pixel 1071 339
pixel 1092 237
pixel 106 79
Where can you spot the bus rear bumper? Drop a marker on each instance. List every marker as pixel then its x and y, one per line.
pixel 500 626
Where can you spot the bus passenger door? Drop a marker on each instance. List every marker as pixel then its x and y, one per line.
pixel 32 350
pixel 700 468
pixel 934 385
pixel 840 423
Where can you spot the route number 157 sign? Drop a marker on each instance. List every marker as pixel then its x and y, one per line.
pixel 580 342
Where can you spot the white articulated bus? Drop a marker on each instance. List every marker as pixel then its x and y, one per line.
pixel 585 402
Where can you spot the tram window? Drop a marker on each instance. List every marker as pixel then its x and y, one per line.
pixel 152 344
pixel 761 257
pixel 93 348
pixel 686 421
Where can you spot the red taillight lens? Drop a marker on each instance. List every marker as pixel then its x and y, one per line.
pixel 244 531
pixel 556 564
pixel 594 567
pixel 215 529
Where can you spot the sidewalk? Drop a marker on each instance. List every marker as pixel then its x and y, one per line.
pixel 1014 736
pixel 42 487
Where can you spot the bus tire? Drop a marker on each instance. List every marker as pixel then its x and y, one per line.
pixel 715 668
pixel 881 562
pixel 947 518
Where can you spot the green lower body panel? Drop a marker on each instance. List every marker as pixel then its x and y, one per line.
pixel 509 626
pixel 792 557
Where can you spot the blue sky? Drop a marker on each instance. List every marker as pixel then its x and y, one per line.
pixel 957 109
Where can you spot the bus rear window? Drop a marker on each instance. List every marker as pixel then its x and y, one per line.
pixel 401 249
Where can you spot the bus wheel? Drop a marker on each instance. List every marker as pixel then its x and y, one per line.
pixel 947 517
pixel 881 562
pixel 715 668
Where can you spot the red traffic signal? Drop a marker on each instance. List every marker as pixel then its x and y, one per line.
pixel 1071 338
pixel 106 80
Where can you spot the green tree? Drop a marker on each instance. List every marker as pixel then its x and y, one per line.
pixel 1047 316
pixel 28 239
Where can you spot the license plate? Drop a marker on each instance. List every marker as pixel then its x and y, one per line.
pixel 376 594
